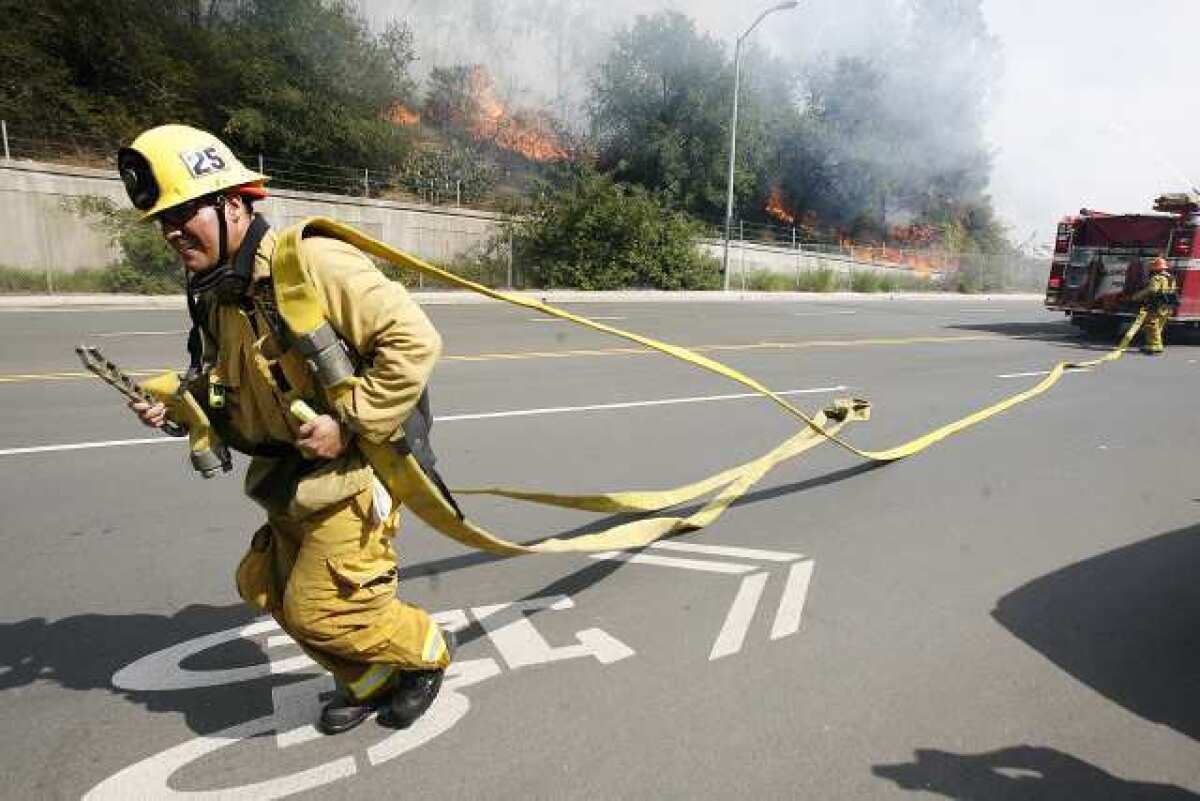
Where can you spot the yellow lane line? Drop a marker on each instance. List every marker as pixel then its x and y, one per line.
pixel 817 343
pixel 66 375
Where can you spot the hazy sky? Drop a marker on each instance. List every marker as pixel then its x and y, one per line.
pixel 1098 104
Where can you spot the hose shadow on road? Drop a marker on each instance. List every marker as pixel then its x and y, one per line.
pixel 83 652
pixel 1020 773
pixel 1125 623
pixel 596 572
pixel 474 559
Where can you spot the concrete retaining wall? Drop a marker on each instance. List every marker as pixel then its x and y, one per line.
pixel 42 234
pixel 748 257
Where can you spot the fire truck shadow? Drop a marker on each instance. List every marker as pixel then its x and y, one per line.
pixel 1060 334
pixel 1125 623
pixel 1065 335
pixel 1020 773
pixel 83 652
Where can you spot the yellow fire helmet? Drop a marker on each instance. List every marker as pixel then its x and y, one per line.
pixel 172 164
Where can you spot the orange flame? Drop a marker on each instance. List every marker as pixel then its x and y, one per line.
pixel 400 114
pixel 904 255
pixel 777 208
pixel 520 133
pixel 915 235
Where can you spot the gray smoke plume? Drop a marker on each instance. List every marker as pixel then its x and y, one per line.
pixel 932 62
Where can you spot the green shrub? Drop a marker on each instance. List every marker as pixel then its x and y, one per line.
pixel 13 279
pixel 768 281
pixel 871 281
pixel 822 280
pixel 147 265
pixel 866 281
pixel 592 233
pixel 827 280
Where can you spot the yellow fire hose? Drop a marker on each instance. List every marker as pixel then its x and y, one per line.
pixel 408 484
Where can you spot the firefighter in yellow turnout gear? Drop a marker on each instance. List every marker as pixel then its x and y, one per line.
pixel 323 565
pixel 1157 296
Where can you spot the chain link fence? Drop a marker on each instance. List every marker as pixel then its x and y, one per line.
pixel 959 272
pixel 402 182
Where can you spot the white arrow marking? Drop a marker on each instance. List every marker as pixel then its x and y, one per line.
pixel 737 621
pixel 727 550
pixel 703 565
pixel 787 618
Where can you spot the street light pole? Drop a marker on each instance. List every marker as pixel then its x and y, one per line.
pixel 737 80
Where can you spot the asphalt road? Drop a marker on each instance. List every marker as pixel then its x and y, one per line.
pixel 1010 615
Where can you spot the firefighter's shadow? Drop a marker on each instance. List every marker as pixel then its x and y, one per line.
pixel 83 652
pixel 1125 623
pixel 1020 773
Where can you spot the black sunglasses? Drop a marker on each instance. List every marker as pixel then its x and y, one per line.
pixel 181 215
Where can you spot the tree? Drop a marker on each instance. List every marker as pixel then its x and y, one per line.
pixel 298 79
pixel 660 108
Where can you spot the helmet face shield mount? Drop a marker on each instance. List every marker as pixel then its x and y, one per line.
pixel 138 177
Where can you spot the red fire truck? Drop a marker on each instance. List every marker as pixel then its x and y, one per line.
pixel 1098 256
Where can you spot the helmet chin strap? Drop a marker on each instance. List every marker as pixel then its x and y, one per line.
pixel 225 282
pixel 228 279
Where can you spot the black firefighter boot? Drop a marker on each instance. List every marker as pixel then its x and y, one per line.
pixel 416 690
pixel 344 711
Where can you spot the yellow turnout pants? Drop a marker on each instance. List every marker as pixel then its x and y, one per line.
pixel 1156 323
pixel 330 581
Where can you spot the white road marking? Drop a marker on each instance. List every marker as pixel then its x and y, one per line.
pixel 454 418
pixel 727 550
pixel 80 446
pixel 560 320
pixel 297 705
pixel 151 777
pixel 791 605
pixel 629 405
pixel 737 621
pixel 823 313
pixel 982 311
pixel 1041 372
pixel 450 707
pixel 702 565
pixel 522 645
